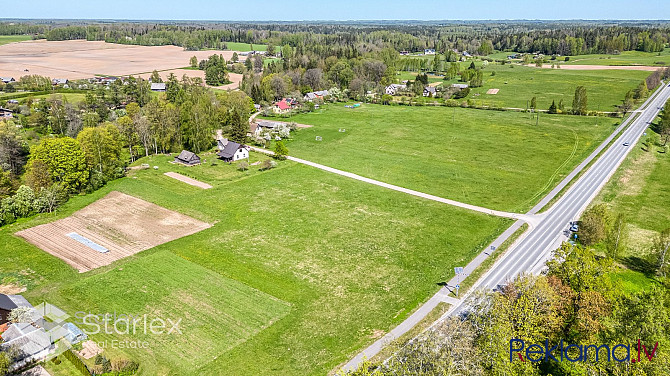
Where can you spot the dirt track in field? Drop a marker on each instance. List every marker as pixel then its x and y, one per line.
pixel 187 180
pixel 77 59
pixel 604 67
pixel 123 224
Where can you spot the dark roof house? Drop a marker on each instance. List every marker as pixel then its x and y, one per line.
pixel 10 302
pixel 7 79
pixel 5 113
pixel 187 158
pixel 229 150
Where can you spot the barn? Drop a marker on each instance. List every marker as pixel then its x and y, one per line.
pixel 187 158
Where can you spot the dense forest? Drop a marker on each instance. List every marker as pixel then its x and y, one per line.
pixel 350 39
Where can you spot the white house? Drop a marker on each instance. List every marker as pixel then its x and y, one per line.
pixel 429 51
pixel 429 91
pixel 231 151
pixel 393 89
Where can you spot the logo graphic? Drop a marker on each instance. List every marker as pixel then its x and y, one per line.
pixel 578 353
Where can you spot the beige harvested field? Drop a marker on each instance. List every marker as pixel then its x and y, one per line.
pixel 187 180
pixel 78 59
pixel 605 67
pixel 123 224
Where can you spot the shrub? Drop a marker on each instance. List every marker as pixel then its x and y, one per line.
pixel 268 164
pixel 243 166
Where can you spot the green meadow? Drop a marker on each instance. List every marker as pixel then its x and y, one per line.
pixel 499 160
pixel 518 84
pixel 623 58
pixel 301 269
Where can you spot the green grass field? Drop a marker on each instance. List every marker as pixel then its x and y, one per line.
pixel 499 160
pixel 519 84
pixel 4 39
pixel 640 190
pixel 624 58
pixel 301 269
pixel 244 47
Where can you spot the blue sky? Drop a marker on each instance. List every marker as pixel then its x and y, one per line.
pixel 295 10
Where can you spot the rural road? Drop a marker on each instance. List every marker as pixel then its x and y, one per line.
pixel 530 252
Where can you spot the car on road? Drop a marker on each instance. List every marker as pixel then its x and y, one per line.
pixel 574 226
pixel 626 143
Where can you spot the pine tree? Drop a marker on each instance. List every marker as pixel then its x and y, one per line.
pixel 552 108
pixel 238 128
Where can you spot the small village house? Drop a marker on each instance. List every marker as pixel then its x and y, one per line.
pixel 9 303
pixel 429 91
pixel 429 51
pixel 459 86
pixel 230 151
pixel 393 89
pixel 5 113
pixel 283 106
pixel 187 158
pixel 7 79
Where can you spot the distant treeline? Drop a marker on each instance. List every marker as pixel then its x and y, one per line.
pixel 355 39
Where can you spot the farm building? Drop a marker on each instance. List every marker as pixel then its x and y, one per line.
pixel 187 158
pixel 429 91
pixel 231 151
pixel 158 86
pixel 393 89
pixel 316 95
pixel 7 79
pixel 459 86
pixel 10 302
pixel 60 82
pixel 270 125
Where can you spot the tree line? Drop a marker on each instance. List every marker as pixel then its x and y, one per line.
pixel 79 147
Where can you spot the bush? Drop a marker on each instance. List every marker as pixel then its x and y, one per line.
pixel 243 166
pixel 268 164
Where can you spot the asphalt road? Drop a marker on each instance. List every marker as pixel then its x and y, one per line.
pixel 530 253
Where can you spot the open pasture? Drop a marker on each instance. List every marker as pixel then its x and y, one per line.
pixel 112 228
pixel 499 160
pixel 517 85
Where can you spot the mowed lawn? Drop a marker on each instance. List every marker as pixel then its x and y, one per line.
pixel 518 84
pixel 499 160
pixel 301 270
